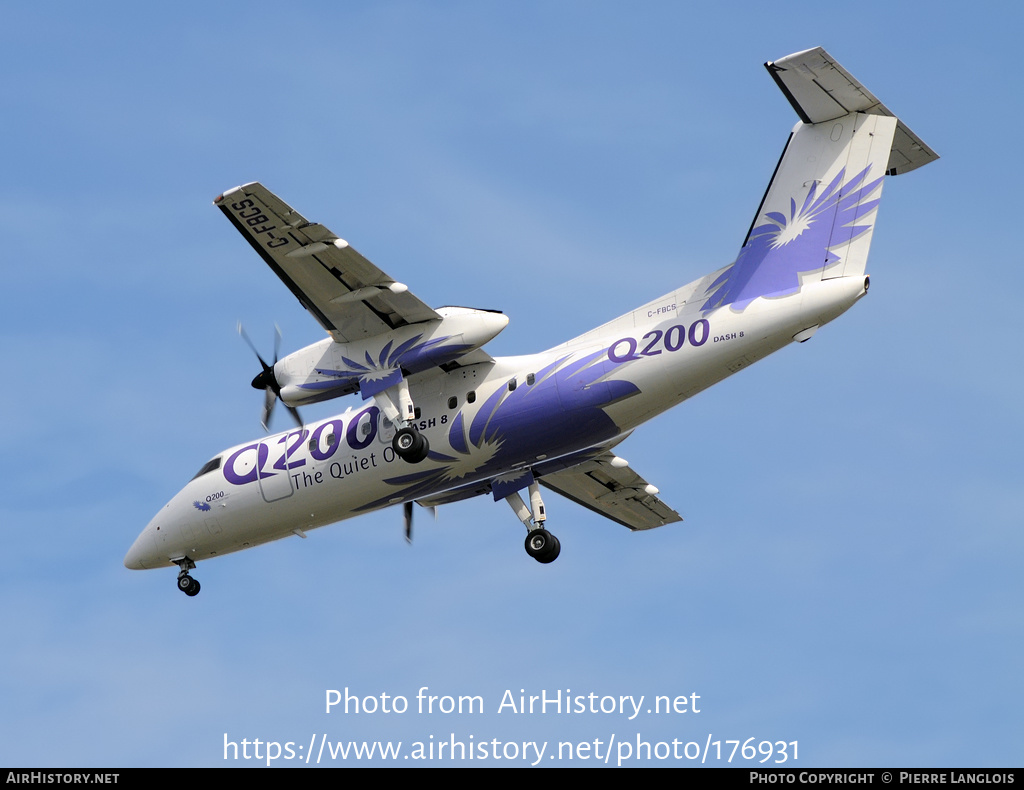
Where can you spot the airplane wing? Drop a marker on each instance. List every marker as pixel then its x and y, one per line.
pixel 617 493
pixel 350 297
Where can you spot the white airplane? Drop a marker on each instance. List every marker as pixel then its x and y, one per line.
pixel 441 420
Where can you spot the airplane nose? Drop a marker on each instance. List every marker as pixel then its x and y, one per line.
pixel 140 555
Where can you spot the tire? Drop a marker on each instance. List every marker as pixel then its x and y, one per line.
pixel 410 445
pixel 539 543
pixel 553 552
pixel 405 442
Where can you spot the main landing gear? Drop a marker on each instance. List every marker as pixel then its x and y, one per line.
pixel 540 544
pixel 186 583
pixel 410 445
pixel 396 404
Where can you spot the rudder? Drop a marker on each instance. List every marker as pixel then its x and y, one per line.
pixel 816 219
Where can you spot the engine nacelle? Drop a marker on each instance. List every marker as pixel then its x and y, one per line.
pixel 327 369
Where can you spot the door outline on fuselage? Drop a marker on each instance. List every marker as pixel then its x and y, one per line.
pixel 276 480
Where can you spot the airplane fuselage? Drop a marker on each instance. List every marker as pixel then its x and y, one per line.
pixel 540 412
pixel 440 420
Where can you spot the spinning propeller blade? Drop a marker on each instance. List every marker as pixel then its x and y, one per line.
pixel 407 512
pixel 267 381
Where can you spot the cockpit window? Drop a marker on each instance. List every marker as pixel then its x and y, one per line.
pixel 209 466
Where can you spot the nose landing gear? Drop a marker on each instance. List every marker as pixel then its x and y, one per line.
pixel 186 583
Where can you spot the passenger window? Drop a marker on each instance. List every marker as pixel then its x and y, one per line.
pixel 330 438
pixel 512 385
pixel 453 402
pixel 471 396
pixel 530 379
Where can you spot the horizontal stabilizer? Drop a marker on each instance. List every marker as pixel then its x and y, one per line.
pixel 821 90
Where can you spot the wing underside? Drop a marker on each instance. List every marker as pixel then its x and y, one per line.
pixel 350 297
pixel 617 493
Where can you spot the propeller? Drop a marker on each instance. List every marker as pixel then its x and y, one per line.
pixel 407 510
pixel 267 381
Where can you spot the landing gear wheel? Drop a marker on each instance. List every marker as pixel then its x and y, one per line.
pixel 410 445
pixel 556 549
pixel 542 546
pixel 188 585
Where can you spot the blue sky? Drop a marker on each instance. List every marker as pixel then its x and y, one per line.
pixel 848 574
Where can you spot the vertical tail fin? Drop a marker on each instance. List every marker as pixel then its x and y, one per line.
pixel 816 218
